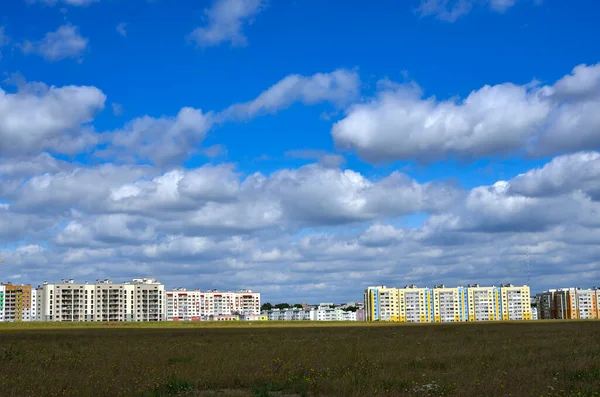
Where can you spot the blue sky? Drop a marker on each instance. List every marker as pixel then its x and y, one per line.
pixel 298 147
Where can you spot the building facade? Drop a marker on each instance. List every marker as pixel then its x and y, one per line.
pixel 196 305
pixel 141 299
pixel 19 303
pixel 442 304
pixel 323 312
pixel 2 293
pixel 568 304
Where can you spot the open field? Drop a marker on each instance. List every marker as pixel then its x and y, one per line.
pixel 494 359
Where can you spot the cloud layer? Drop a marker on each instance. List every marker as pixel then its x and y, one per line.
pixel 320 230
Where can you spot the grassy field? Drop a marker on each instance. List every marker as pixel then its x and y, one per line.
pixel 314 359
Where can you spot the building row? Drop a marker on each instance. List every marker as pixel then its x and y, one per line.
pixel 568 304
pixel 141 299
pixel 196 305
pixel 442 304
pixel 319 313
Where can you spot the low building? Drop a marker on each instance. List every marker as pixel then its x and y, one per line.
pixel 324 312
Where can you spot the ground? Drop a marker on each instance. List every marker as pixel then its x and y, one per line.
pixel 301 359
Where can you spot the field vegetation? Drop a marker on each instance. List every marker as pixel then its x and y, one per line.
pixel 303 359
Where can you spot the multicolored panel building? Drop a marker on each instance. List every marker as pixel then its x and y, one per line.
pixel 442 304
pixel 569 304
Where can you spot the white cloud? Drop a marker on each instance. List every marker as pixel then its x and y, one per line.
pixel 170 140
pixel 121 29
pixel 225 22
pixel 451 10
pixel 338 87
pixel 118 221
pixel 163 140
pixel 39 117
pixel 493 120
pixel 564 174
pixel 65 42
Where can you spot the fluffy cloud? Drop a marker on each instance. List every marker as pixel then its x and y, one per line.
pixel 338 87
pixel 563 175
pixel 38 118
pixel 164 140
pixel 493 120
pixel 65 42
pixel 451 10
pixel 226 19
pixel 324 225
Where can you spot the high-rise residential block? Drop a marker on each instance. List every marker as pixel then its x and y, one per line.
pixel 442 304
pixel 141 299
pixel 196 305
pixel 18 302
pixel 2 293
pixel 569 304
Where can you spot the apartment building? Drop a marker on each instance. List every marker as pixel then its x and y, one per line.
pixel 141 299
pixel 450 304
pixel 324 312
pixel 2 293
pixel 291 314
pixel 569 304
pixel 196 305
pixel 441 304
pixel 18 303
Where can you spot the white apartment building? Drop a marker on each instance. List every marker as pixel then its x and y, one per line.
pixel 195 305
pixel 291 314
pixel 321 313
pixel 141 299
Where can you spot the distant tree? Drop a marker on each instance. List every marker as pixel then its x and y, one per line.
pixel 350 309
pixel 266 306
pixel 282 306
pixel 297 305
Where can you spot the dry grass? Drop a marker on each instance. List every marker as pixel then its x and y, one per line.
pixel 511 359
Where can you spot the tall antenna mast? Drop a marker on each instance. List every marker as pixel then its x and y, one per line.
pixel 528 265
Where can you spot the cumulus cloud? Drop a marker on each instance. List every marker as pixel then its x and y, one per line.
pixel 451 10
pixel 38 117
pixel 399 124
pixel 65 42
pixel 563 175
pixel 225 22
pixel 164 140
pixel 338 87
